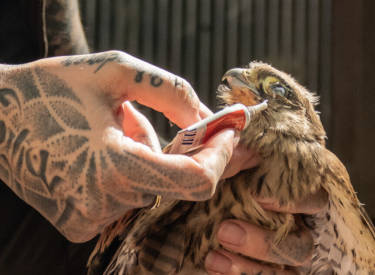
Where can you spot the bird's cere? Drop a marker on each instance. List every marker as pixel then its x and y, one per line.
pixel 237 116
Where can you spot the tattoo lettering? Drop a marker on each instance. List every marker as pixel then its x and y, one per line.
pixel 139 76
pixel 178 82
pixel 155 80
pixel 99 59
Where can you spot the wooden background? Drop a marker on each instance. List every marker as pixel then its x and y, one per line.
pixel 327 45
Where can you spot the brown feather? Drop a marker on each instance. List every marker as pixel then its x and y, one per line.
pixel 290 139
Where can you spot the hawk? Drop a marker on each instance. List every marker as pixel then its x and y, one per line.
pixel 290 140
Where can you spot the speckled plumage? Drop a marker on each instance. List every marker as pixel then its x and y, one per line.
pixel 290 140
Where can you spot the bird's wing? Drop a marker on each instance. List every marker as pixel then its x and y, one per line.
pixel 365 217
pixel 163 250
pixel 155 245
pixel 109 241
pixel 346 232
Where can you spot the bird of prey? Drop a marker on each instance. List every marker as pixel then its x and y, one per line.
pixel 290 140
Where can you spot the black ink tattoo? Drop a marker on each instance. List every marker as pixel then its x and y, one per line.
pixel 40 171
pixel 160 180
pixel 139 76
pixel 177 82
pixel 55 87
pixel 5 93
pixel 49 159
pixel 155 80
pixel 99 59
pixel 39 157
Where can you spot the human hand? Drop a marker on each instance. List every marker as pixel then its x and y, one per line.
pixel 63 147
pixel 253 241
pixel 242 158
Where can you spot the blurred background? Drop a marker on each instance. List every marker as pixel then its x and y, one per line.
pixel 327 45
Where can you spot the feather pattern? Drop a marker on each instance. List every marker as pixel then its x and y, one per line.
pixel 290 139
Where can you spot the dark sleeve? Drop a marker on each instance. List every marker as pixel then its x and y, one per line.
pixel 21 31
pixel 28 243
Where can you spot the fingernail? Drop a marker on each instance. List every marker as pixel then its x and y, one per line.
pixel 231 233
pixel 218 263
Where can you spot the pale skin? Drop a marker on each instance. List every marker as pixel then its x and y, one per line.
pixel 72 149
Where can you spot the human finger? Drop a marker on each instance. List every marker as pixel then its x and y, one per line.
pixel 158 89
pixel 217 151
pixel 136 126
pixel 172 175
pixel 242 158
pixel 224 262
pixel 258 243
pixel 204 111
pixel 120 77
pixel 312 204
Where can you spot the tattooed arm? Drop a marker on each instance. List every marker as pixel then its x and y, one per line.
pixel 65 34
pixel 62 145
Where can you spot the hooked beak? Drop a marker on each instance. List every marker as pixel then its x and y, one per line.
pixel 235 79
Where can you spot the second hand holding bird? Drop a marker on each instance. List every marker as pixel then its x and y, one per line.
pixel 255 242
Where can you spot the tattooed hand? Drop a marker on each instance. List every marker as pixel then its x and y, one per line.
pixel 250 240
pixel 62 144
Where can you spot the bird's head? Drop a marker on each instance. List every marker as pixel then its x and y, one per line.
pixel 290 111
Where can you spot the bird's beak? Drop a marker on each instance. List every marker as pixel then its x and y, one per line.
pixel 235 79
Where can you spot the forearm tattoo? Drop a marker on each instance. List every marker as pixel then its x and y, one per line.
pixel 64 30
pixel 48 156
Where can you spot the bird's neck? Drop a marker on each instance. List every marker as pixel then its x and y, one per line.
pixel 289 168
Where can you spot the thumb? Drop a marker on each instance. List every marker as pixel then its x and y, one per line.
pixel 137 127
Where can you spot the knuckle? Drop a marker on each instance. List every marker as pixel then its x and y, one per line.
pixel 116 54
pixel 185 86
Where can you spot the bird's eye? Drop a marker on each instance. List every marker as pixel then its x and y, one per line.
pixel 274 87
pixel 277 88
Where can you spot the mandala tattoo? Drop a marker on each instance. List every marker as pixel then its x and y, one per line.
pixel 46 154
pixel 48 159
